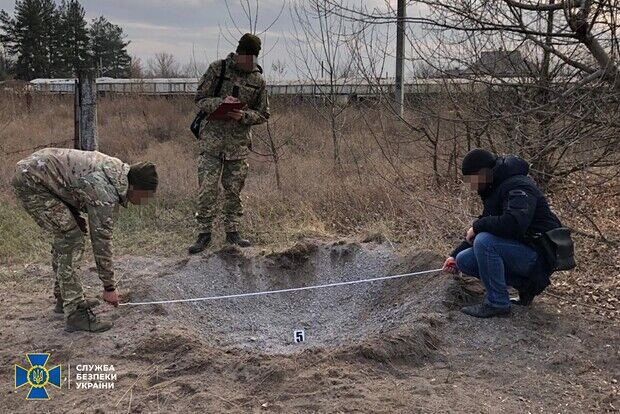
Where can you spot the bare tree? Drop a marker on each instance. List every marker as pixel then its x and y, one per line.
pixel 250 14
pixel 137 70
pixel 279 69
pixel 195 68
pixel 564 28
pixel 163 65
pixel 536 78
pixel 323 58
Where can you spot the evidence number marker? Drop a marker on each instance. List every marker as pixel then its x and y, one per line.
pixel 299 336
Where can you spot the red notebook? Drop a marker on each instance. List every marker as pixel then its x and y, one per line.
pixel 220 114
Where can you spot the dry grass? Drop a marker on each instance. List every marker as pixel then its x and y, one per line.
pixel 383 184
pixel 315 198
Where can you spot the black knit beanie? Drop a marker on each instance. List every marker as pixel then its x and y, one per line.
pixel 143 176
pixel 477 159
pixel 249 44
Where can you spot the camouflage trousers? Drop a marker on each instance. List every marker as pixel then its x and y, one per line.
pixel 52 215
pixel 232 174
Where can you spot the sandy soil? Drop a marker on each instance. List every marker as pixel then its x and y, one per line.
pixel 395 346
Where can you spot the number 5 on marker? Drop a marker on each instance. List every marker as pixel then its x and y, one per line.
pixel 299 336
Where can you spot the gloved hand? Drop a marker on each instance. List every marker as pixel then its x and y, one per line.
pixel 111 297
pixel 449 266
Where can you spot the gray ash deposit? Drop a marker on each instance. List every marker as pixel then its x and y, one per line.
pixel 380 319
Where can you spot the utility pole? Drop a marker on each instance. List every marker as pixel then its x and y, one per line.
pixel 399 89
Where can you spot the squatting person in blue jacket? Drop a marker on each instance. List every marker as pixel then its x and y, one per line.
pixel 498 248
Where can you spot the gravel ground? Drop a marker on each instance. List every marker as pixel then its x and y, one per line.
pixel 332 317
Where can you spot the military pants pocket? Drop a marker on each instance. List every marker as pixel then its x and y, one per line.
pixel 209 168
pixel 234 175
pixel 48 212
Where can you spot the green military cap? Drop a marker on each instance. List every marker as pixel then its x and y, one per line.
pixel 249 44
pixel 143 176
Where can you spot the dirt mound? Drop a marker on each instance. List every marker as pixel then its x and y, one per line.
pixel 165 343
pixel 294 257
pixel 366 320
pixel 414 345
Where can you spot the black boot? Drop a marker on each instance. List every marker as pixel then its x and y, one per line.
pixel 202 243
pixel 233 237
pixel 525 299
pixel 485 311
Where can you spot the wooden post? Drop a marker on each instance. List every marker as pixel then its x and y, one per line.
pixel 86 136
pixel 76 114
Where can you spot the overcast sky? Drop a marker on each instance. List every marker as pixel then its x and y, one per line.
pixel 191 27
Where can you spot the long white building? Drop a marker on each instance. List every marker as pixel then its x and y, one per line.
pixel 350 88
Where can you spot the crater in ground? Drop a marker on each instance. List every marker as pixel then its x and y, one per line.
pixel 392 346
pixel 383 320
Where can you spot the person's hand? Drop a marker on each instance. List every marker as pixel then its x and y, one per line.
pixel 111 297
pixel 236 114
pixel 471 234
pixel 450 266
pixel 231 99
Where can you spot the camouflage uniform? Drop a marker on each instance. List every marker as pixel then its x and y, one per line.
pixel 55 185
pixel 224 145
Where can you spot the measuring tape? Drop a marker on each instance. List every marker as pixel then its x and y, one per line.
pixel 273 292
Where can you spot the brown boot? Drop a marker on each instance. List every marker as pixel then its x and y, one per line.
pixel 90 302
pixel 84 319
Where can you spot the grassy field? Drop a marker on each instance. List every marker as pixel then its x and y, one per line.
pixel 383 185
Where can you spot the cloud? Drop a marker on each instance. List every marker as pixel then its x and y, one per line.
pixel 182 27
pixel 200 28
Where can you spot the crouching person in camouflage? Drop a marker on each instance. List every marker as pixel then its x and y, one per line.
pixel 224 144
pixel 55 186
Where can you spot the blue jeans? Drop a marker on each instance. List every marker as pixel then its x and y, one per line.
pixel 499 263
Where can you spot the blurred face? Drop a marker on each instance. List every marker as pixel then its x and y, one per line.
pixel 246 62
pixel 479 181
pixel 139 197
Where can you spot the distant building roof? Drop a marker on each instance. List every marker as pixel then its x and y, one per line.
pixel 502 63
pixel 113 80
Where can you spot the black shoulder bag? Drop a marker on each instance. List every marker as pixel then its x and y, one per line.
pixel 201 115
pixel 558 248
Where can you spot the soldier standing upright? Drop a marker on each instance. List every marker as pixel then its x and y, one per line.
pixel 224 144
pixel 56 185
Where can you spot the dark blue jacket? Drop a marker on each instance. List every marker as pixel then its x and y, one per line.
pixel 515 208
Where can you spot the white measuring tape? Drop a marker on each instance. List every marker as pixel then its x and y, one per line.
pixel 272 292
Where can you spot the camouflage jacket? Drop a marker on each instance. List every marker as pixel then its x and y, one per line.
pixel 87 181
pixel 230 139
